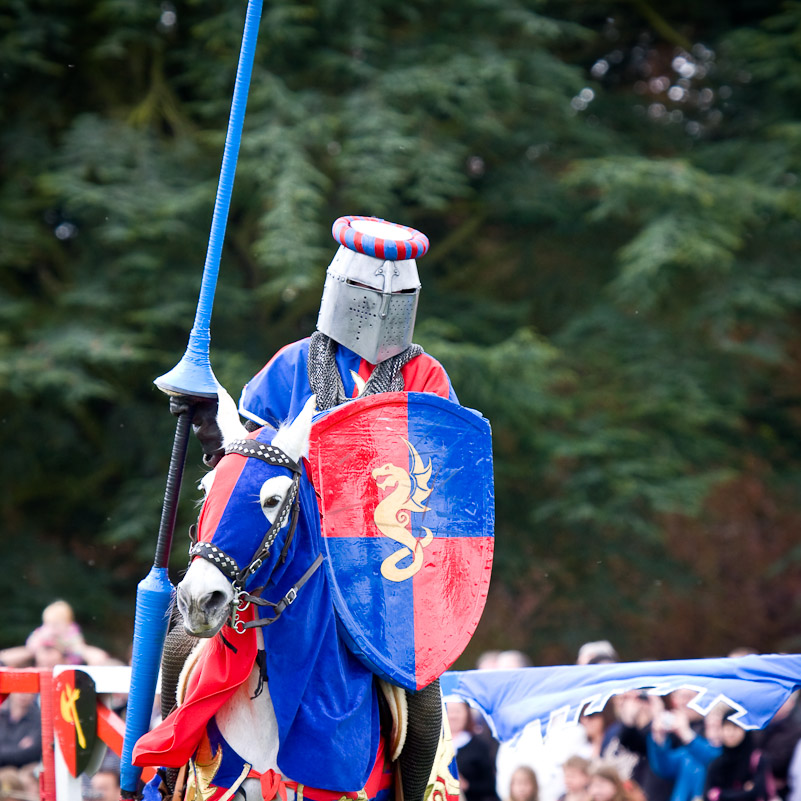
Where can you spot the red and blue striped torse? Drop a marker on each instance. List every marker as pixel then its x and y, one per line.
pixel 408 244
pixel 405 487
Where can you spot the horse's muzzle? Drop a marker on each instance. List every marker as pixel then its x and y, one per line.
pixel 204 615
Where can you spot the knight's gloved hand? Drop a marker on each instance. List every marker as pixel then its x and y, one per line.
pixel 204 424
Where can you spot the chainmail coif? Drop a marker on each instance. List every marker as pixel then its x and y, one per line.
pixel 326 382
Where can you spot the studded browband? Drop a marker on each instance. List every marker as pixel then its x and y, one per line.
pixel 259 450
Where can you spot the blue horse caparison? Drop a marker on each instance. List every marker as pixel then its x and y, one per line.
pixel 324 699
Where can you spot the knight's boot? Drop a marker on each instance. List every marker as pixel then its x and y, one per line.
pixel 424 724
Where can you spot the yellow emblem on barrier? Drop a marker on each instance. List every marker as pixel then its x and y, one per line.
pixel 68 699
pixel 393 518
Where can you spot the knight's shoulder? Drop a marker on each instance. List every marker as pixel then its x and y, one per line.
pixel 424 373
pixel 424 364
pixel 294 349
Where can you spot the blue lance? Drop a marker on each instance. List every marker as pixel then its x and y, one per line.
pixel 192 377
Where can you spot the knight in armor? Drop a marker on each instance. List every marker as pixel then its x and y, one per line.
pixel 362 346
pixel 363 343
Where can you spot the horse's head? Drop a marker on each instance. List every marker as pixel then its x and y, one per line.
pixel 251 505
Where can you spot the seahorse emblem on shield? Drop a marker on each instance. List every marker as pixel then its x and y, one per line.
pixel 393 516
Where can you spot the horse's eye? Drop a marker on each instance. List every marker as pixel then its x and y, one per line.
pixel 272 502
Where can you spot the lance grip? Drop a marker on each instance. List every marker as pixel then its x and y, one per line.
pixel 172 489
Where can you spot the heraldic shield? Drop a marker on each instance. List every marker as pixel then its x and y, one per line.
pixel 405 486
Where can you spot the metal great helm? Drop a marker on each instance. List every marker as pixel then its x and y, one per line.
pixel 371 287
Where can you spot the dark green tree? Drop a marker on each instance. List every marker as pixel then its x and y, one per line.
pixel 611 193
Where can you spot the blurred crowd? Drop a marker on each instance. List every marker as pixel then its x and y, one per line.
pixel 640 747
pixel 57 641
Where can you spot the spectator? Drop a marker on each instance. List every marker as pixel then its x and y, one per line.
pixel 741 772
pixel 636 710
pixel 59 635
pixel 523 785
pixel 16 786
pixel 476 771
pixel 58 630
pixel 544 755
pixel 488 660
pixel 104 786
pixel 779 739
pixel 603 731
pixel 677 751
pixel 606 784
pixel 511 660
pixel 597 653
pixel 20 730
pixel 794 775
pixel 576 772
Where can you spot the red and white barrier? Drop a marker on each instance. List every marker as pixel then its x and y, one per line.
pixel 56 783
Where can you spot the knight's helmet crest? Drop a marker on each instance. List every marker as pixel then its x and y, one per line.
pixel 372 287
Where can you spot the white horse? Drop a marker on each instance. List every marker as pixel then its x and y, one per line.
pixel 306 673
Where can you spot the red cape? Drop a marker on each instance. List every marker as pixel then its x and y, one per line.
pixel 215 678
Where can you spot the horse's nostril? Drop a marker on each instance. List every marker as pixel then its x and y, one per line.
pixel 214 601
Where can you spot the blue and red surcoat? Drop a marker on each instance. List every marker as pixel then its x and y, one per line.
pixel 281 388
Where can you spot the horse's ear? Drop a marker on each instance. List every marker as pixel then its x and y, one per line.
pixel 228 417
pixel 293 439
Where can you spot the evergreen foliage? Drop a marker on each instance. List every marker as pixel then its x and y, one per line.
pixel 611 193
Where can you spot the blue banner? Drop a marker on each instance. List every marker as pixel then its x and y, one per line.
pixel 755 686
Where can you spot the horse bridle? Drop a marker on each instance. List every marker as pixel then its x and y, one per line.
pixel 228 566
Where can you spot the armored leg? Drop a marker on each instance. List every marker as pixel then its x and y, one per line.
pixel 422 738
